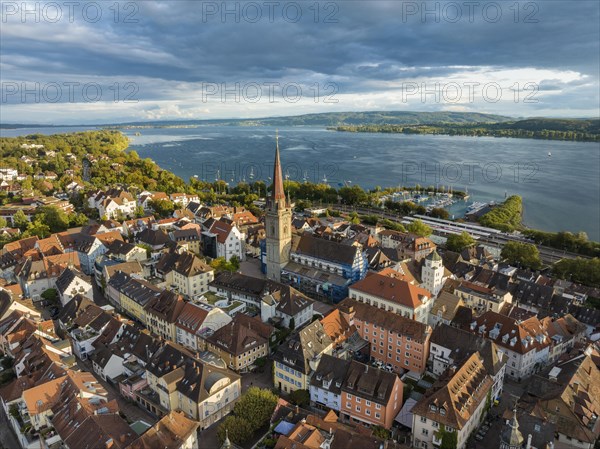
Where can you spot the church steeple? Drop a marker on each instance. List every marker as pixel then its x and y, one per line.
pixel 278 225
pixel 278 193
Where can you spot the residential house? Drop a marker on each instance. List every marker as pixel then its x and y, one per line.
pixel 224 239
pixel 172 431
pixel 287 306
pixel 326 383
pixel 456 405
pixel 198 320
pixel 525 343
pixel 370 396
pixel 450 346
pixel 297 359
pixel 396 341
pixel 162 312
pixel 241 342
pixel 444 308
pixel 70 283
pixel 390 291
pixel 567 394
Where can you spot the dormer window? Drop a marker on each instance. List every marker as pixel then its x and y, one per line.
pixel 433 408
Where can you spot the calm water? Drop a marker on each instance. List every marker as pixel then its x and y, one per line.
pixel 560 192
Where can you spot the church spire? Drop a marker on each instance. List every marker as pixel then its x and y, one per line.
pixel 278 193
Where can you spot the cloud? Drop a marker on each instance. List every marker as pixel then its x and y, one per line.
pixel 368 50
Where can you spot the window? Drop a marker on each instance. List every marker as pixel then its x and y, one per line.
pixel 358 408
pixel 378 407
pixel 425 431
pixel 377 415
pixel 358 400
pixel 423 419
pixel 368 412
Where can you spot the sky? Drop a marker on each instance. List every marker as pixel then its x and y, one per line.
pixel 86 62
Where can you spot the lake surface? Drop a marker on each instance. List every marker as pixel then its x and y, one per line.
pixel 561 191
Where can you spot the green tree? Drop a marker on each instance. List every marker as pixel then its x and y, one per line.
pixel 458 242
pixel 78 219
pixel 39 228
pixel 522 254
pixel 381 432
pixel 50 295
pixel 56 219
pixel 419 228
pixel 163 208
pixel 584 271
pixel 256 406
pixel 439 212
pixel 20 220
pixel 237 429
pixel 3 222
pixel 234 261
pixel 300 398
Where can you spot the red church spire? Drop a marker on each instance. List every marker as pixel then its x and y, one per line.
pixel 278 193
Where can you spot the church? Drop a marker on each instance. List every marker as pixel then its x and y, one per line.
pixel 275 252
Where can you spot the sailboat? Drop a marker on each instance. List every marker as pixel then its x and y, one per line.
pixel 251 174
pixel 305 176
pixel 549 154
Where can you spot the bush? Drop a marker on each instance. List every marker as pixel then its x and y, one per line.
pixel 237 429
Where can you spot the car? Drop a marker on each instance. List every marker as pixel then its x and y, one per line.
pixel 389 367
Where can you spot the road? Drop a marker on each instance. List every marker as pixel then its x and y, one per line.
pixel 548 255
pixel 8 440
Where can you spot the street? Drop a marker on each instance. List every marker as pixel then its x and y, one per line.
pixel 8 440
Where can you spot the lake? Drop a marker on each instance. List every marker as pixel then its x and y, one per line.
pixel 559 181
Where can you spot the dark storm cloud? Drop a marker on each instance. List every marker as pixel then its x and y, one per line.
pixel 369 44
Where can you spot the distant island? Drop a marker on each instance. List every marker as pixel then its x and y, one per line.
pixel 538 128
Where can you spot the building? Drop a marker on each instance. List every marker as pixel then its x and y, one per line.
pixel 525 343
pixel 178 381
pixel 161 314
pixel 278 225
pixel 71 283
pixel 172 431
pixel 223 239
pixel 567 395
pixel 455 406
pixel 450 346
pixel 482 297
pixel 287 306
pixel 297 359
pixel 390 291
pixel 326 384
pixel 444 308
pixel 432 273
pixel 370 396
pixel 196 321
pixel 324 268
pixel 396 341
pixel 240 342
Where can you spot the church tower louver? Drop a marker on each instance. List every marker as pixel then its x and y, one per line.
pixel 278 223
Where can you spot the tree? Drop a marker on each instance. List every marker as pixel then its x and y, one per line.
pixel 237 429
pixel 56 219
pixel 20 220
pixel 300 398
pixel 256 406
pixel 234 262
pixel 458 242
pixel 419 228
pixel 39 228
pixel 3 222
pixel 584 271
pixel 381 432
pixel 163 208
pixel 139 212
pixel 439 212
pixel 522 254
pixel 50 295
pixel 78 219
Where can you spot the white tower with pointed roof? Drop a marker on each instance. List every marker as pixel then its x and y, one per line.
pixel 432 273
